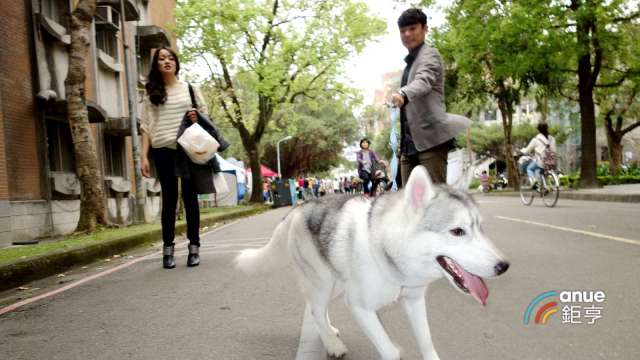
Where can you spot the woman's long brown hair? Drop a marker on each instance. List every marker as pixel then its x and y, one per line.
pixel 155 84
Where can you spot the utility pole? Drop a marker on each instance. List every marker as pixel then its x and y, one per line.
pixel 138 213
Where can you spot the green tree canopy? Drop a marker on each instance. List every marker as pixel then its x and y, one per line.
pixel 264 55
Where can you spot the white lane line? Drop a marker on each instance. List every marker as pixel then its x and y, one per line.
pixel 207 244
pixel 210 251
pixel 577 231
pixel 74 284
pixel 218 241
pixel 223 248
pixel 310 346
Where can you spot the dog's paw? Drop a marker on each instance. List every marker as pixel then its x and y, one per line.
pixel 336 350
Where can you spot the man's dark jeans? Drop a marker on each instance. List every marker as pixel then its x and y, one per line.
pixel 435 160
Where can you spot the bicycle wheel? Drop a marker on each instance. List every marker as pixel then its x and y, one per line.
pixel 526 191
pixel 550 190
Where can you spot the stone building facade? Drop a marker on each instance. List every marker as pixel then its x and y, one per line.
pixel 39 191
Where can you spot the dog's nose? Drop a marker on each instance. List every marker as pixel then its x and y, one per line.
pixel 501 267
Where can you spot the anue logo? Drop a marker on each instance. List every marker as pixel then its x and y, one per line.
pixel 565 301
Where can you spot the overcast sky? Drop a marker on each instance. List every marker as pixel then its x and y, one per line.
pixel 387 53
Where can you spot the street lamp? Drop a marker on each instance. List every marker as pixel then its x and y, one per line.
pixel 278 154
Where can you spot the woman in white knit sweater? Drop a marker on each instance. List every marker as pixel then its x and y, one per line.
pixel 165 104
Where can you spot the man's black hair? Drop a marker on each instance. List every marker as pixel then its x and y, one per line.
pixel 412 16
pixel 543 128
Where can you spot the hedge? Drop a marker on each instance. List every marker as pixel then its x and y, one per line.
pixel 574 181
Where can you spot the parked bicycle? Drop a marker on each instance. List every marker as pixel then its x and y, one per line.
pixel 546 183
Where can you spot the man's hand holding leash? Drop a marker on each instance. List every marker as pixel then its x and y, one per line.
pixel 397 100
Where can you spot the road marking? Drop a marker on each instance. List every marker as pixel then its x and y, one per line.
pixel 310 346
pixel 72 285
pixel 577 231
pixel 239 240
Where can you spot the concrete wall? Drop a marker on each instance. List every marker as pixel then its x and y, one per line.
pixel 162 14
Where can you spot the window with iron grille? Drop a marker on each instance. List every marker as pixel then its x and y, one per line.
pixel 56 10
pixel 60 146
pixel 107 41
pixel 115 156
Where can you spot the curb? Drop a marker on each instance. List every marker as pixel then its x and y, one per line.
pixel 569 195
pixel 24 271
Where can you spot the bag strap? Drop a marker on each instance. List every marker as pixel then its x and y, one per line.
pixel 194 103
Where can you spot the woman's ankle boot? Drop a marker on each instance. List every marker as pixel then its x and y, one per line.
pixel 167 257
pixel 194 256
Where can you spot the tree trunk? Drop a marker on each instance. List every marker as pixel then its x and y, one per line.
pixel 588 132
pixel 586 83
pixel 256 175
pixel 615 151
pixel 506 109
pixel 614 142
pixel 92 210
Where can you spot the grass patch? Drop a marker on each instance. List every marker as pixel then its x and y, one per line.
pixel 15 253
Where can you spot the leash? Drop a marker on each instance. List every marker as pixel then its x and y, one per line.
pixel 394 115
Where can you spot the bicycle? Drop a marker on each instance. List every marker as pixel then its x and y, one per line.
pixel 547 184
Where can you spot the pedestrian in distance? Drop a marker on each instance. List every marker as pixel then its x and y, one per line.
pixel 366 159
pixel 427 131
pixel 485 181
pixel 166 102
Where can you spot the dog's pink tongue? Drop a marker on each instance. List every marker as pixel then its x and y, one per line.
pixel 476 286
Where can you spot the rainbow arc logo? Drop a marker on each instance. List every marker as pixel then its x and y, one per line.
pixel 545 310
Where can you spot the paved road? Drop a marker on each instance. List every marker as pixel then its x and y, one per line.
pixel 140 311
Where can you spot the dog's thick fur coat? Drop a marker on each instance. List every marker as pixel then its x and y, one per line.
pixel 381 250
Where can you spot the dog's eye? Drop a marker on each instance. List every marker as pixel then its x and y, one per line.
pixel 457 232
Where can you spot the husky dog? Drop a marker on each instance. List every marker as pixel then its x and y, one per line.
pixel 382 250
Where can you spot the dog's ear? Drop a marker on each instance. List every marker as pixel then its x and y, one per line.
pixel 419 189
pixel 463 182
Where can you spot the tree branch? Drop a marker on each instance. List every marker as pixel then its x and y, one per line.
pixel 292 19
pixel 630 128
pixel 267 37
pixel 598 58
pixel 612 84
pixel 251 42
pixel 626 18
pixel 567 96
pixel 229 86
pixel 308 87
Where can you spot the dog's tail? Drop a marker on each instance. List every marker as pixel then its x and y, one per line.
pixel 272 256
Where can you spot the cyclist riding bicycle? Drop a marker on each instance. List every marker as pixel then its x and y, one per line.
pixel 542 147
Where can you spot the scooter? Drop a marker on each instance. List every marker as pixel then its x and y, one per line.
pixel 501 182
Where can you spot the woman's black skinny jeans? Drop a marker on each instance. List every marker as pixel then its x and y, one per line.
pixel 165 165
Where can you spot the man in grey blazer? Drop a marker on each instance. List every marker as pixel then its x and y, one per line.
pixel 427 131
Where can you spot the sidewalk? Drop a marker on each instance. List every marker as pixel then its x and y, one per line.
pixel 629 193
pixel 57 256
